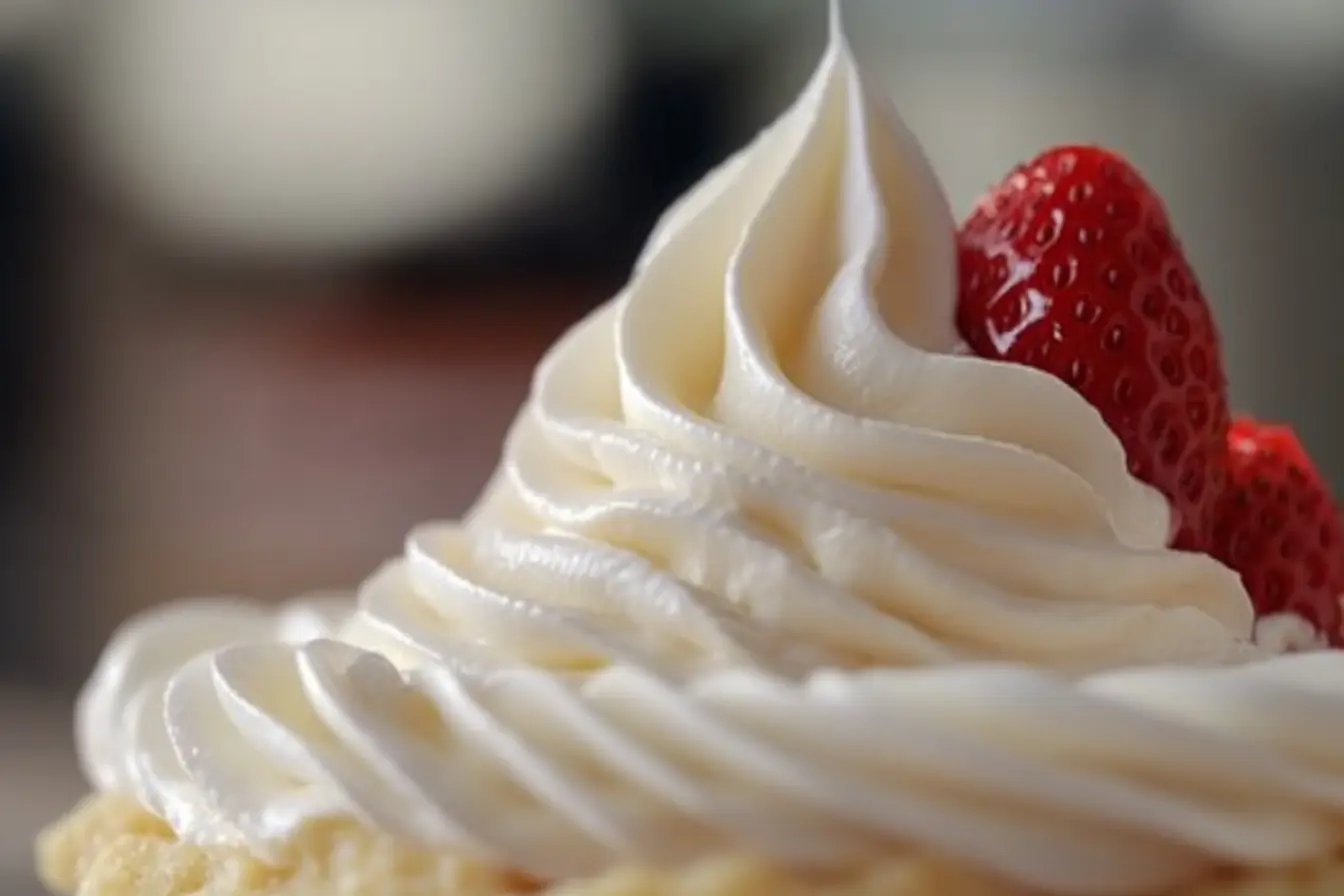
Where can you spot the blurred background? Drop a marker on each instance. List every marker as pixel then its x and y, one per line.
pixel 273 275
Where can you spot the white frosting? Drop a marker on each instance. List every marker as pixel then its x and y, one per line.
pixel 122 701
pixel 766 457
pixel 767 451
pixel 1125 782
pixel 1288 632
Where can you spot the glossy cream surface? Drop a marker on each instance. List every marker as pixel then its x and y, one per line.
pixel 769 451
pixel 1122 782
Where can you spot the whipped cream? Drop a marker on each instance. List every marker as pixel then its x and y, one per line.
pixel 769 451
pixel 1126 782
pixel 767 457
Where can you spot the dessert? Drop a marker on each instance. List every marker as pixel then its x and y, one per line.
pixel 781 587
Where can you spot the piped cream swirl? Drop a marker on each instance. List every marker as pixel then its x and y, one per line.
pixel 1119 784
pixel 768 450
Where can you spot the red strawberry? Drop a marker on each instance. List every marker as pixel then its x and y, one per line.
pixel 1070 266
pixel 1280 528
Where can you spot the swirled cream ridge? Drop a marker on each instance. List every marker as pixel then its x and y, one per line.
pixel 758 498
pixel 1124 782
pixel 768 451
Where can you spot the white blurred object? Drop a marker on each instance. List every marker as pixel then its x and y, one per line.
pixel 327 126
pixel 1295 40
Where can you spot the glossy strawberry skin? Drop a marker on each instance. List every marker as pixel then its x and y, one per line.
pixel 1279 527
pixel 1070 265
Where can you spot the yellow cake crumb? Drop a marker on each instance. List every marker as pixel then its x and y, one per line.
pixel 109 846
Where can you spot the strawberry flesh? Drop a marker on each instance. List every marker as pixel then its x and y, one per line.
pixel 1070 266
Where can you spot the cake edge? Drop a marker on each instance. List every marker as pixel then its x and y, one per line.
pixel 109 846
